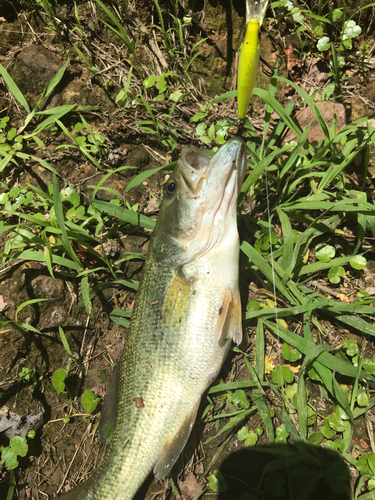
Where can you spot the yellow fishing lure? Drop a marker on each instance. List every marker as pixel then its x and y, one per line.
pixel 249 54
pixel 248 67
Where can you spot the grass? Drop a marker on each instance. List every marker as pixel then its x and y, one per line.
pixel 307 235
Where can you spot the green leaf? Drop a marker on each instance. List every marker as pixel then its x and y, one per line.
pixel 176 96
pixel 290 353
pixel 362 398
pixel 326 430
pixel 281 434
pixel 281 374
pixel 61 221
pixel 239 397
pixel 8 458
pixel 358 262
pixel 324 252
pixel 351 347
pixel 129 216
pixel 217 482
pixel 19 445
pixel 251 439
pixel 243 433
pixel 89 401
pixel 316 438
pixel 149 81
pixel 201 129
pixel 350 30
pixel 335 14
pixel 58 380
pixel 369 365
pixel 335 273
pixel 324 43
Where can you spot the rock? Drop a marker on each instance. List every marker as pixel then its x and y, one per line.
pixel 33 68
pixel 12 424
pixel 47 288
pixel 317 72
pixel 359 109
pixel 306 117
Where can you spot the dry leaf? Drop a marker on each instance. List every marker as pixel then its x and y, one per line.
pixel 343 297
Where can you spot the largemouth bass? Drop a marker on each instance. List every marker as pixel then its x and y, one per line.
pixel 186 313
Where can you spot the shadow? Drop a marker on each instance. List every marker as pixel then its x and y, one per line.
pixel 280 472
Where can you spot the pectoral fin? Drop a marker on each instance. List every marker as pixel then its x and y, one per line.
pixel 174 446
pixel 234 320
pixel 229 325
pixel 177 300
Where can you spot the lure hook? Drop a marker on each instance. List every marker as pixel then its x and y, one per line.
pixel 270 71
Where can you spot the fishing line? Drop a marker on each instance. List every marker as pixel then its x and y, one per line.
pixel 274 290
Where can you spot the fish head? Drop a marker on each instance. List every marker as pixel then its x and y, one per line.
pixel 199 206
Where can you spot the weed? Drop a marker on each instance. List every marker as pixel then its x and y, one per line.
pixel 18 447
pixel 12 141
pixel 330 30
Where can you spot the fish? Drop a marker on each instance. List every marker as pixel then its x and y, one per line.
pixel 186 313
pixel 249 55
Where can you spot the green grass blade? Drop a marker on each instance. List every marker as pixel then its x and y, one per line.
pixel 12 86
pixel 286 312
pixel 259 350
pixel 302 406
pixel 55 80
pixel 129 216
pixel 266 269
pixel 264 414
pixel 311 104
pixel 48 260
pixel 145 175
pixel 288 256
pixel 65 342
pixel 40 257
pixel 326 359
pixel 27 303
pixel 356 322
pixel 106 176
pixel 232 386
pixel 320 266
pixel 61 222
pixel 276 106
pixel 85 290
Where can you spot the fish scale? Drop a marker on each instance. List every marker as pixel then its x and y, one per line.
pixel 186 312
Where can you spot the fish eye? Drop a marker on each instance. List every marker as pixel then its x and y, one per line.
pixel 170 188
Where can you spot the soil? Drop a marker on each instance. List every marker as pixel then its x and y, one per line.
pixel 33 50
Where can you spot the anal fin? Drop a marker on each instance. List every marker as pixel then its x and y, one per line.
pixel 174 446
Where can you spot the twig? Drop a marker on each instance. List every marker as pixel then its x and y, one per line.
pixel 323 288
pixel 71 462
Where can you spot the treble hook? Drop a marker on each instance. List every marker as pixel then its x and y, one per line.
pixel 271 69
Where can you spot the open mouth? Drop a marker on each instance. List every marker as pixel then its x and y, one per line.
pixel 198 170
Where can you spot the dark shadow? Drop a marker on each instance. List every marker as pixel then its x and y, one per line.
pixel 280 472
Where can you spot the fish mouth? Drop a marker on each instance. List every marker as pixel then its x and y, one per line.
pixel 201 173
pixel 216 183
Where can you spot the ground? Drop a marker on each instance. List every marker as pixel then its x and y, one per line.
pixel 126 103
